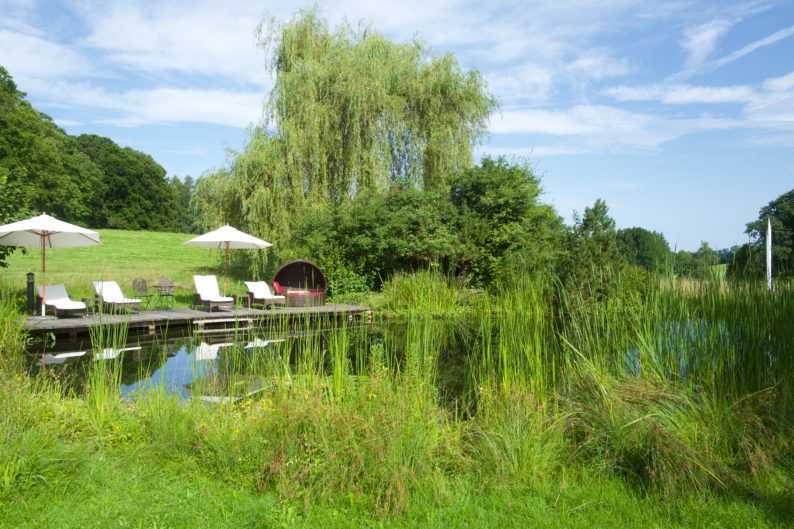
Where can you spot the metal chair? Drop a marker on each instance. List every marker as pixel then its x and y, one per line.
pixel 141 290
pixel 165 293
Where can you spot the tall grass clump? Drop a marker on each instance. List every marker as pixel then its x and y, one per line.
pixel 426 292
pixel 352 424
pixel 13 338
pixel 33 455
pixel 681 389
pixel 103 376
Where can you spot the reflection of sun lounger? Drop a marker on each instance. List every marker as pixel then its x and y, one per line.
pixel 60 302
pixel 109 353
pixel 207 293
pixel 54 359
pixel 111 295
pixel 205 351
pixel 259 343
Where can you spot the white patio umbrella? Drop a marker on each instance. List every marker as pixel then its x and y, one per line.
pixel 46 232
pixel 228 238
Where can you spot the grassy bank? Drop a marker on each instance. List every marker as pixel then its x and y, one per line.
pixel 655 409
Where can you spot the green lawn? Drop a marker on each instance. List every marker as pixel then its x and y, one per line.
pixel 123 256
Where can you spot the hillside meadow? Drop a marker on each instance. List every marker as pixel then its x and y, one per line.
pixel 123 256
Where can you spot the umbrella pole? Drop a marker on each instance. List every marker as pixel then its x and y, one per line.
pixel 43 274
pixel 226 270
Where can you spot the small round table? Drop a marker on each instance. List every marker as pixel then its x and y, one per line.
pixel 165 295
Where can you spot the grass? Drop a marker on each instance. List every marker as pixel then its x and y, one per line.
pixel 652 408
pixel 122 257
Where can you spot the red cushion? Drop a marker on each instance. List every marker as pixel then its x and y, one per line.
pixel 278 288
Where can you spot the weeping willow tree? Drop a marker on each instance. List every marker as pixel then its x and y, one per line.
pixel 349 110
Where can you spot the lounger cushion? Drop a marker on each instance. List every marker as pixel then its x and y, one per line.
pixel 207 288
pixel 277 288
pixel 58 298
pixel 260 290
pixel 110 292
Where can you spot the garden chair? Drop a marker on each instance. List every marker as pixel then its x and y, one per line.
pixel 60 303
pixel 207 293
pixel 111 295
pixel 259 292
pixel 141 289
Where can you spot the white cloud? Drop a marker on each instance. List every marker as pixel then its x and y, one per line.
pixel 680 94
pixel 598 64
pixel 780 84
pixel 190 151
pixel 66 123
pixel 212 39
pixel 159 105
pixel 590 125
pixel 523 83
pixel 605 129
pixel 746 50
pixel 539 151
pixel 623 185
pixel 700 41
pixel 783 140
pixel 774 110
pixel 30 56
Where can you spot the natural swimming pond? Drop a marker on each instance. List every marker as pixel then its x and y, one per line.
pixel 455 355
pixel 229 364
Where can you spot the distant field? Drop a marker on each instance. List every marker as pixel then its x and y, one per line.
pixel 122 256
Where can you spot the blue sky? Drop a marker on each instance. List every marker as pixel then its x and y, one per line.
pixel 679 113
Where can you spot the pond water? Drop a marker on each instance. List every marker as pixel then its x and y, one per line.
pixel 232 365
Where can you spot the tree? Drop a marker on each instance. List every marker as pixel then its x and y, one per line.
pixel 375 235
pixel 42 161
pixel 13 207
pixel 748 263
pixel 726 255
pixel 781 213
pixel 135 194
pixel 596 235
pixel 749 260
pixel 350 112
pixel 706 254
pixel 500 218
pixel 644 248
pixel 183 215
pixel 698 264
pixel 594 261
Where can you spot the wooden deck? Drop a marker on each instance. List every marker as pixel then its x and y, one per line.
pixel 150 320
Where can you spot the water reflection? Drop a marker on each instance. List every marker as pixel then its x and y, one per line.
pixel 232 366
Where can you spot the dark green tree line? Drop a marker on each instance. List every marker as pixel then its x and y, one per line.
pixel 88 180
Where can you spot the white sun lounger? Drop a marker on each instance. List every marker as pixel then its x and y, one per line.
pixel 59 301
pixel 259 292
pixel 112 295
pixel 207 293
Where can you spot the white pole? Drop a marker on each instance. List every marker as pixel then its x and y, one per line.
pixel 769 254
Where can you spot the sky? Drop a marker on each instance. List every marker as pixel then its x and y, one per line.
pixel 678 113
